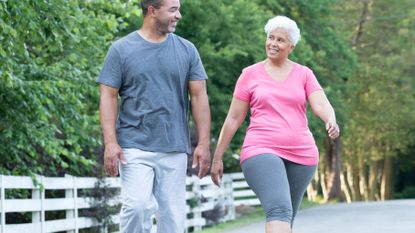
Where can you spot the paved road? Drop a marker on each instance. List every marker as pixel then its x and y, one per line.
pixel 397 216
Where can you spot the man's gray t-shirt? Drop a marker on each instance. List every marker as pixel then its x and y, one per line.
pixel 152 79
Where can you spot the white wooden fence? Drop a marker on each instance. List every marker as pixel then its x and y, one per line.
pixel 207 204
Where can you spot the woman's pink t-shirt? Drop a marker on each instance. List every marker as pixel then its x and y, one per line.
pixel 278 122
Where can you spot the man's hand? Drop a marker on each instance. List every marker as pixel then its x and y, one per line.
pixel 216 172
pixel 112 154
pixel 201 157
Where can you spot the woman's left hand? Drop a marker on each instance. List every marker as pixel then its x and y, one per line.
pixel 332 129
pixel 216 172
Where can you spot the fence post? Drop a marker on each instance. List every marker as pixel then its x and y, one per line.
pixel 2 198
pixel 70 214
pixel 198 213
pixel 39 194
pixel 228 193
pixel 73 213
pixel 75 200
pixel 37 216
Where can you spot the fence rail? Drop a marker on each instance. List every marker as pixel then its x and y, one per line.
pixel 207 204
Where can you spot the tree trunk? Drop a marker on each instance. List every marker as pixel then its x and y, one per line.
pixel 363 180
pixel 333 171
pixel 312 188
pixel 363 18
pixel 387 179
pixel 373 181
pixel 323 184
pixel 345 188
pixel 353 180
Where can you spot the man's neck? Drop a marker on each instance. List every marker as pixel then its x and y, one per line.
pixel 151 34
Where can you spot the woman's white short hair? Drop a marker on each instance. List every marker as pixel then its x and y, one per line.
pixel 289 25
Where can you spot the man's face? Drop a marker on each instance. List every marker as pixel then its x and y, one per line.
pixel 167 16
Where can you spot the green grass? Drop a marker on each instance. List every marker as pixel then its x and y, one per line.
pixel 254 216
pixel 307 204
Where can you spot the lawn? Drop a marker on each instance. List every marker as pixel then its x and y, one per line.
pixel 253 216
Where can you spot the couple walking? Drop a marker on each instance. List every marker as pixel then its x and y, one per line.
pixel 146 134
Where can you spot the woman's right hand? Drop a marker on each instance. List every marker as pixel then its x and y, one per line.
pixel 216 171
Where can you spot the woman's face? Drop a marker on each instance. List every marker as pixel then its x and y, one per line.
pixel 278 45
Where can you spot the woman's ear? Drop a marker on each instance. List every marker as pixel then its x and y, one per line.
pixel 292 48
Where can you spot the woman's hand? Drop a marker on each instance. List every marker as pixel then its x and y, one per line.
pixel 332 129
pixel 216 171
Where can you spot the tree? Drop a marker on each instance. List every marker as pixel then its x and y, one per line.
pixel 381 96
pixel 51 54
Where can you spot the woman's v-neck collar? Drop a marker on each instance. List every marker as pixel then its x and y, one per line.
pixel 262 64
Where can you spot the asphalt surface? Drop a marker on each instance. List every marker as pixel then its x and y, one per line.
pixel 397 216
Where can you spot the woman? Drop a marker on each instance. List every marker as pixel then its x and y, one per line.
pixel 279 155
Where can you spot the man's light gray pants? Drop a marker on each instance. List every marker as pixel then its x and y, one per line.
pixel 153 183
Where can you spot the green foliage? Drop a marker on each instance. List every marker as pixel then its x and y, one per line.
pixel 102 209
pixel 408 192
pixel 230 36
pixel 324 49
pixel 51 54
pixel 382 96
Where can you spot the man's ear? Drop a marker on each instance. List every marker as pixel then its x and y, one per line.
pixel 151 11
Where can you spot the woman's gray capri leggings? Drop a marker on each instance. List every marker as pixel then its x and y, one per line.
pixel 278 183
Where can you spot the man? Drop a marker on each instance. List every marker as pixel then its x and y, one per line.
pixel 154 72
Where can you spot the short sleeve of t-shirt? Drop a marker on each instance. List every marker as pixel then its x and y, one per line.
pixel 111 73
pixel 242 91
pixel 197 71
pixel 311 83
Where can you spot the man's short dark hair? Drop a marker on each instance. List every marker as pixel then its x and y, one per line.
pixel 145 4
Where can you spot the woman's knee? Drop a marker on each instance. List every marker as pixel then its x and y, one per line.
pixel 279 212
